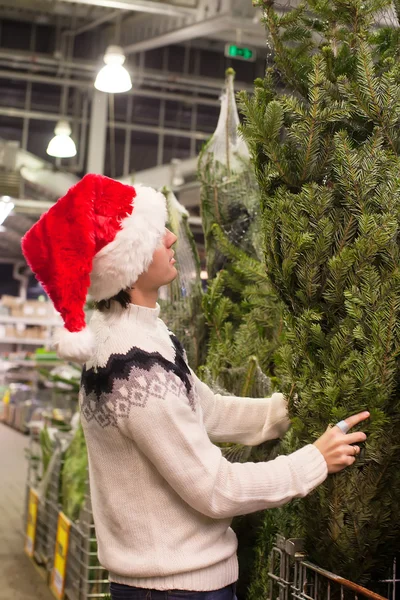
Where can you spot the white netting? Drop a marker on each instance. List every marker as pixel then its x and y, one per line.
pixel 226 145
pixel 185 252
pixel 233 380
pixel 229 191
pixel 387 17
pixel 181 300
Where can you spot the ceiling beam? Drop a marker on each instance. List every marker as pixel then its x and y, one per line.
pixel 88 85
pixel 18 59
pixel 177 36
pixel 45 12
pixel 147 33
pixel 147 6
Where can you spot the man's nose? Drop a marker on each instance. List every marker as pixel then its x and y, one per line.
pixel 172 239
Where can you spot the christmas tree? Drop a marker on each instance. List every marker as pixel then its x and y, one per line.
pixel 241 341
pixel 326 157
pixel 244 324
pixel 229 190
pixel 241 310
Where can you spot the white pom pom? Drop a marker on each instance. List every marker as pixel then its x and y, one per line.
pixel 77 346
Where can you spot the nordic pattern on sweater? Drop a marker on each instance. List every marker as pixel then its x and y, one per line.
pixel 109 393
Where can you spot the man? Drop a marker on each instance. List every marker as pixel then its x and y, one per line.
pixel 163 496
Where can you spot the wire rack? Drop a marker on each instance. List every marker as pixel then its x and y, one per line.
pixel 292 576
pixel 85 576
pixel 49 505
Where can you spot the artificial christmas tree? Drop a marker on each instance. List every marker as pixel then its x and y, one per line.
pixel 327 161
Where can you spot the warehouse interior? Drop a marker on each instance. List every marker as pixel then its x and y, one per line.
pixel 175 53
pixel 50 53
pixel 133 90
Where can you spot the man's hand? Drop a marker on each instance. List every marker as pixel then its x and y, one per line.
pixel 336 447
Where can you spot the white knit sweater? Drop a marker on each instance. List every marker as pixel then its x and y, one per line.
pixel 163 496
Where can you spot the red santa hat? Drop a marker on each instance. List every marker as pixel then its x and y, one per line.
pixel 96 239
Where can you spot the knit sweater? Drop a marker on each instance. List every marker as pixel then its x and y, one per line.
pixel 163 496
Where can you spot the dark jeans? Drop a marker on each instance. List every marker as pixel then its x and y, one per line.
pixel 125 592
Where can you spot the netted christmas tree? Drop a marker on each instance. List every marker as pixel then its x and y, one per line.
pixel 181 300
pixel 229 190
pixel 244 324
pixel 241 341
pixel 240 307
pixel 327 161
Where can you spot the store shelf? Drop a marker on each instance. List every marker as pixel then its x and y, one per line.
pixel 24 341
pixel 5 320
pixel 29 363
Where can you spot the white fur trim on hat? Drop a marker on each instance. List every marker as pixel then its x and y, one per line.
pixel 77 346
pixel 118 265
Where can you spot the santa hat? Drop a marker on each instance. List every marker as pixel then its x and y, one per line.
pixel 96 239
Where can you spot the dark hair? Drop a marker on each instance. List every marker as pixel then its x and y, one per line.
pixel 123 298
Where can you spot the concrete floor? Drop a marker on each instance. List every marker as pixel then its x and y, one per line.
pixel 19 580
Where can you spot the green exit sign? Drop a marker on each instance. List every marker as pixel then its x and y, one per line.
pixel 240 52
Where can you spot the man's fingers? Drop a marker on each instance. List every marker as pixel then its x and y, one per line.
pixel 355 438
pixel 356 419
pixel 352 450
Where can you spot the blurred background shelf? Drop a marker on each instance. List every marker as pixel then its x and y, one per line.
pixel 25 341
pixel 9 320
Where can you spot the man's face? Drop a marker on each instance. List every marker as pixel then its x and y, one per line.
pixel 161 270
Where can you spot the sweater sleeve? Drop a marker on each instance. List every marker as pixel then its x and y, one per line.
pixel 248 421
pixel 170 432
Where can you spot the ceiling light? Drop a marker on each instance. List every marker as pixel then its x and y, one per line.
pixel 113 78
pixel 62 145
pixel 6 207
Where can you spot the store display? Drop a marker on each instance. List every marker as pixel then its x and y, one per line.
pixel 326 154
pixel 74 476
pixel 18 405
pixel 299 291
pixel 62 484
pixel 27 322
pixel 57 472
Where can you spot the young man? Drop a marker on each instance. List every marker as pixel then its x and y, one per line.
pixel 163 496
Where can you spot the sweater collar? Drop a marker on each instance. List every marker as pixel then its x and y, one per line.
pixel 132 315
pixel 143 315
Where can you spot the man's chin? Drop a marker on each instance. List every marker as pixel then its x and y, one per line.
pixel 172 275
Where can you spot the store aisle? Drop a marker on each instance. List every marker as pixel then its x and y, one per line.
pixel 19 580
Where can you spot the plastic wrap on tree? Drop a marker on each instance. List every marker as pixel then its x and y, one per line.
pixel 229 190
pixel 181 300
pixel 186 255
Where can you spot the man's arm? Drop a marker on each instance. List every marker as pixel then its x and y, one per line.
pixel 169 432
pixel 248 421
